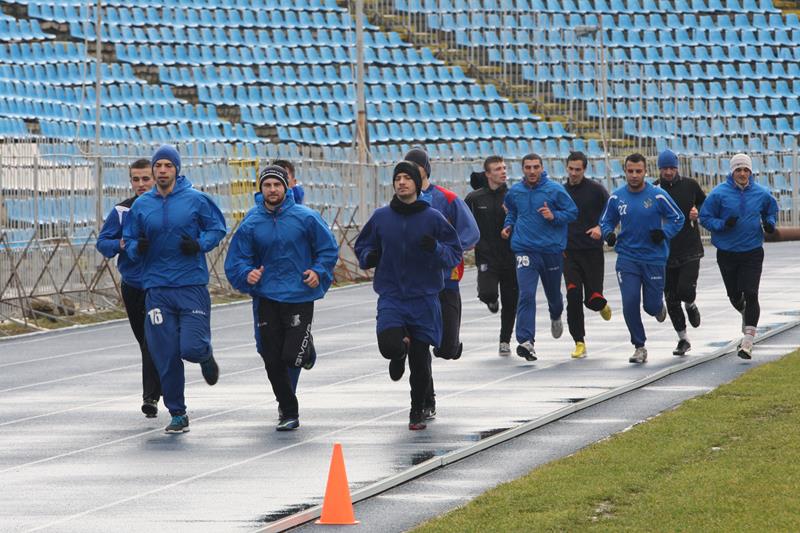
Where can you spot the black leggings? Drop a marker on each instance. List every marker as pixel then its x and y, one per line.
pixel 391 346
pixel 680 285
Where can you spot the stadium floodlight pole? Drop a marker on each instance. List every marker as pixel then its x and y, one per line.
pixel 598 33
pixel 97 103
pixel 361 104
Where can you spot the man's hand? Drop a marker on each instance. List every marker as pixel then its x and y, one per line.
pixel 545 212
pixel 144 245
pixel 769 227
pixel 594 233
pixel 254 276
pixel 311 278
pixel 189 246
pixel 428 243
pixel 372 259
pixel 657 236
pixel 731 222
pixel 122 244
pixel 505 233
pixel 693 213
pixel 611 239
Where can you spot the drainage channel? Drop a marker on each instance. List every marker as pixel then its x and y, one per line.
pixel 312 513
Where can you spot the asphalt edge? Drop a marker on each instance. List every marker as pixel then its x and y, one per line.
pixel 441 461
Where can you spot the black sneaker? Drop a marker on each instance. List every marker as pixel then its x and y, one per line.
pixel 693 313
pixel 312 357
pixel 179 424
pixel 210 370
pixel 416 420
pixel 429 411
pixel 150 408
pixel 396 368
pixel 526 351
pixel 288 424
pixel 683 347
pixel 494 306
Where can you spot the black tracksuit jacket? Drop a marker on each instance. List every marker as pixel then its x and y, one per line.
pixel 487 208
pixel 686 245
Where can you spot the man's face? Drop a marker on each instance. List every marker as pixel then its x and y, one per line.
pixel 668 173
pixel 496 173
pixel 273 191
pixel 634 174
pixel 290 178
pixel 404 186
pixel 575 171
pixel 742 176
pixel 165 173
pixel 532 169
pixel 141 180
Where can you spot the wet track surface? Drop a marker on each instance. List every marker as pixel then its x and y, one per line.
pixel 77 455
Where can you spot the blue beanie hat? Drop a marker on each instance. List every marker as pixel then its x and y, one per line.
pixel 667 159
pixel 168 152
pixel 420 157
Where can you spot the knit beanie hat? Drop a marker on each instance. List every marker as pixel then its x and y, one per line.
pixel 420 157
pixel 404 167
pixel 741 161
pixel 274 172
pixel 168 152
pixel 667 159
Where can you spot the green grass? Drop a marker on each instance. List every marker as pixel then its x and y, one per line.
pixel 725 461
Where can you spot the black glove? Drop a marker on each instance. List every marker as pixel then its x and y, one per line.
pixel 657 236
pixel 731 222
pixel 611 239
pixel 428 243
pixel 144 245
pixel 769 227
pixel 189 246
pixel 372 259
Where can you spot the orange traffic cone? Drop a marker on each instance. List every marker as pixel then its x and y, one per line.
pixel 337 507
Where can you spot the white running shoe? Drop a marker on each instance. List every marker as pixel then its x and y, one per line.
pixel 639 356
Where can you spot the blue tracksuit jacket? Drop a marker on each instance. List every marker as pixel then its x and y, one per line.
pixel 753 205
pixel 108 244
pixel 638 213
pixel 459 216
pixel 286 243
pixel 164 221
pixel 531 231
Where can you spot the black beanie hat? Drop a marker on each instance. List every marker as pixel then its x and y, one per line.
pixel 420 157
pixel 274 172
pixel 405 167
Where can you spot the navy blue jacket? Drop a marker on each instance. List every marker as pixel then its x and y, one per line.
pixel 531 231
pixel 286 242
pixel 108 243
pixel 638 213
pixel 185 212
pixel 405 270
pixel 753 205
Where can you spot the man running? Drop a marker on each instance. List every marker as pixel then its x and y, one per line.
pixel 407 242
pixel 648 219
pixel 539 211
pixel 685 249
pixel 493 255
pixel 283 254
pixel 584 265
pixel 111 243
pixel 170 230
pixel 737 213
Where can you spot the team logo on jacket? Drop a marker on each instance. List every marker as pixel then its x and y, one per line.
pixel 295 321
pixel 648 203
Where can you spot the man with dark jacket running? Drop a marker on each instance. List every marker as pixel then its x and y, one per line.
pixel 584 265
pixel 409 244
pixel 493 255
pixel 685 249
pixel 283 254
pixel 111 243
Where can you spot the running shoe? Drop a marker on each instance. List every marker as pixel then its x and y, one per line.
pixel 639 356
pixel 606 313
pixel 179 424
pixel 429 411
pixel 683 346
pixel 556 328
pixel 416 420
pixel 150 408
pixel 693 313
pixel 505 349
pixel 580 350
pixel 526 351
pixel 288 424
pixel 662 315
pixel 493 306
pixel 210 370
